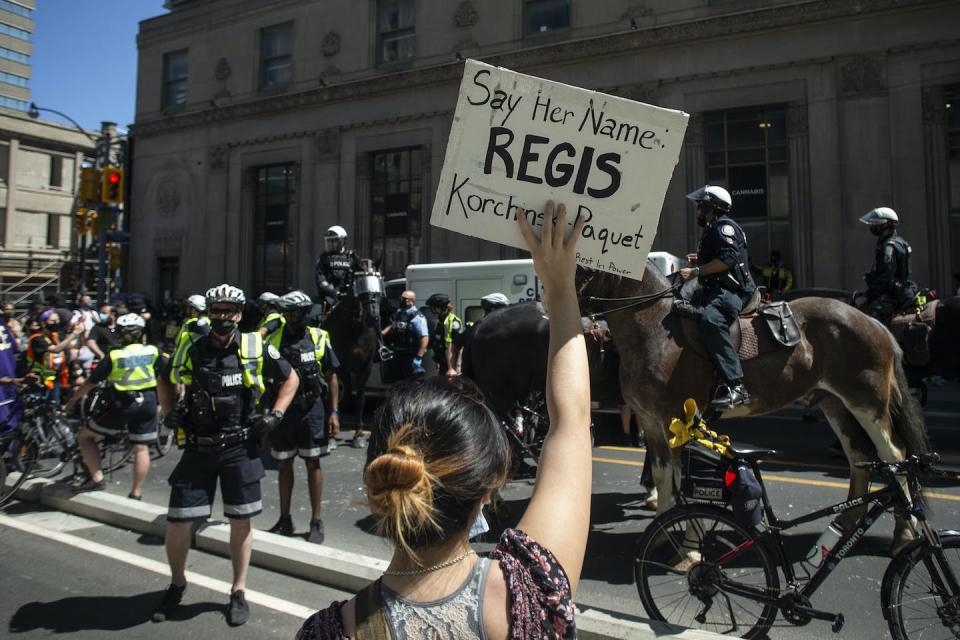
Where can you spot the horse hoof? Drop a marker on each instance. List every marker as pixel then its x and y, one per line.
pixel 651 504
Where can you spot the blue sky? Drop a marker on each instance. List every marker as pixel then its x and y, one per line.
pixel 85 58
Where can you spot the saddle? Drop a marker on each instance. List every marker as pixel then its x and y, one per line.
pixel 760 328
pixel 913 332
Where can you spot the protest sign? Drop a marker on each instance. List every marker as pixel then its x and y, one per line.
pixel 518 141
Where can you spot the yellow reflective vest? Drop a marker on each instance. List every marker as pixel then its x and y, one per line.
pixel 251 361
pixel 185 339
pixel 275 337
pixel 320 338
pixel 133 367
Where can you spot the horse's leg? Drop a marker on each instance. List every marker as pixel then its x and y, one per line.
pixel 857 447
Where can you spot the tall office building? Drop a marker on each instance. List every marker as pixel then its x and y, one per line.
pixel 16 32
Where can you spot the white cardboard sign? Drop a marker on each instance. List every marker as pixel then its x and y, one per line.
pixel 518 140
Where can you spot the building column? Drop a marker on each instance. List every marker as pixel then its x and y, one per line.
pixel 362 220
pixel 801 214
pixel 937 181
pixel 695 169
pixel 12 150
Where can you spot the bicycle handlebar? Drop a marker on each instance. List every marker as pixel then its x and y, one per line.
pixel 916 463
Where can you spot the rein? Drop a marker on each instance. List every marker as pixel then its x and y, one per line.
pixel 634 301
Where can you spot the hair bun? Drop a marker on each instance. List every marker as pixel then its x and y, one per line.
pixel 399 469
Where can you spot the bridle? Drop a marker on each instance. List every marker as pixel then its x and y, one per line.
pixel 632 301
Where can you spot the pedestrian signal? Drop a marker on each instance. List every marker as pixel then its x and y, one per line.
pixel 90 186
pixel 111 186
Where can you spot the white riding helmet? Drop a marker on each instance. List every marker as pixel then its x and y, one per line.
pixel 496 299
pixel 225 293
pixel 879 216
pixel 336 232
pixel 268 298
pixel 197 302
pixel 294 300
pixel 717 196
pixel 131 321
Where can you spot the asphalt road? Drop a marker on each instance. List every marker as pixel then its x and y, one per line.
pixel 57 579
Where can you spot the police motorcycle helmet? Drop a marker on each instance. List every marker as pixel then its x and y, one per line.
pixel 335 238
pixel 880 219
pixel 197 302
pixel 493 301
pixel 225 293
pixel 130 327
pixel 717 197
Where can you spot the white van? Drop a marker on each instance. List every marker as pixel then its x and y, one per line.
pixel 467 282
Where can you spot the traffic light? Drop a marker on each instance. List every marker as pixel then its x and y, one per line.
pixel 90 186
pixel 111 186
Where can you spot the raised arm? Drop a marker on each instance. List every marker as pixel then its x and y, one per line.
pixel 558 516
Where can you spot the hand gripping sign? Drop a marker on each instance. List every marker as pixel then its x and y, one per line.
pixel 517 141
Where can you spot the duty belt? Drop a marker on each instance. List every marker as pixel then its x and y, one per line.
pixel 218 441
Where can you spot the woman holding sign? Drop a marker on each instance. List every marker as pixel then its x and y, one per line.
pixel 439 455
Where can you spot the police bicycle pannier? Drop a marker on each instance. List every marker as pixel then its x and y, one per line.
pixel 703 474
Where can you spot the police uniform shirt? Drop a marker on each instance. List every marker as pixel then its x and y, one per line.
pixel 338 267
pixel 294 349
pixel 892 262
pixel 415 319
pixel 724 240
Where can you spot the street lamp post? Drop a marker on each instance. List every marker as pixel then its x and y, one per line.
pixel 103 143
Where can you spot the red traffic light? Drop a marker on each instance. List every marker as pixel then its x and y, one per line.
pixel 113 178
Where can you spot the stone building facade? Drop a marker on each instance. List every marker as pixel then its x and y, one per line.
pixel 261 123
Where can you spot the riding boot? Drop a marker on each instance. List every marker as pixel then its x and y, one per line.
pixel 731 395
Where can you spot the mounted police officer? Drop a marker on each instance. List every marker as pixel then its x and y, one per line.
pixel 408 337
pixel 129 402
pixel 195 324
pixel 722 268
pixel 271 320
pixel 224 373
pixel 303 430
pixel 335 266
pixel 889 286
pixel 445 343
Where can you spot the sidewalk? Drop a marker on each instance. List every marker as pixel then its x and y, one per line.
pixel 296 557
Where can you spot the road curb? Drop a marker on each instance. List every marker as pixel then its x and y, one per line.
pixel 295 557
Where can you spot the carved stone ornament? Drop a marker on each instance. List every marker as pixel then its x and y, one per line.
pixel 466 15
pixel 222 72
pixel 330 45
pixel 862 75
pixel 168 196
pixel 218 157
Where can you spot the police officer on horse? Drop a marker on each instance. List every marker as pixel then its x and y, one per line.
pixel 889 286
pixel 335 266
pixel 721 264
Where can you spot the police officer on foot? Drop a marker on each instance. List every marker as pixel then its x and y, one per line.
pixel 409 338
pixel 722 267
pixel 445 342
pixel 271 320
pixel 195 324
pixel 224 374
pixel 889 286
pixel 303 430
pixel 335 266
pixel 129 402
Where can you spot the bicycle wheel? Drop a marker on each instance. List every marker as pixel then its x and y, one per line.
pixel 918 602
pixel 115 451
pixel 54 442
pixel 19 456
pixel 693 567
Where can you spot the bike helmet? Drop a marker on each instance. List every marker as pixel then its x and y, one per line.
pixel 880 215
pixel 717 196
pixel 131 322
pixel 197 302
pixel 438 300
pixel 225 293
pixel 495 300
pixel 294 300
pixel 267 298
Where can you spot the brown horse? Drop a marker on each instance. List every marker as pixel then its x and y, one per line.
pixel 844 355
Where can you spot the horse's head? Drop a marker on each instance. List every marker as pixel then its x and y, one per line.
pixel 591 284
pixel 594 286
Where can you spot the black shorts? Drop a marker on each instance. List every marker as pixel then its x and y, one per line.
pixel 300 433
pixel 139 419
pixel 194 482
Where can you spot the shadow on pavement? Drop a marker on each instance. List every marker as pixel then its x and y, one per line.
pixel 101 613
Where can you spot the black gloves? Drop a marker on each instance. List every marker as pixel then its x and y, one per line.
pixel 173 421
pixel 263 425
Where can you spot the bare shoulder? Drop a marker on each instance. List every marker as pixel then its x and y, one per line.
pixel 496 604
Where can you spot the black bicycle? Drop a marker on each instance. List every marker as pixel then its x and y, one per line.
pixel 697 566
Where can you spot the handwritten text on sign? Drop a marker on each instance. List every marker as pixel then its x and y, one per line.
pixel 518 141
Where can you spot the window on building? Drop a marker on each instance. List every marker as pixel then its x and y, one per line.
pixel 952 99
pixel 16 56
pixel 397 199
pixel 175 69
pixel 18 9
pixel 543 16
pixel 12 31
pixel 273 227
pixel 14 79
pixel 53 230
pixel 276 59
pixel 56 172
pixel 747 154
pixel 396 28
pixel 167 278
pixel 13 103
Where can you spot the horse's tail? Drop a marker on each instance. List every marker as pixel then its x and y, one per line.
pixel 905 411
